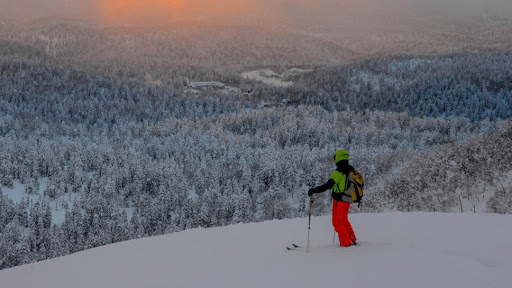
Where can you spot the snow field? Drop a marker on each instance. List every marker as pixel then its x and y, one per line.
pixel 396 250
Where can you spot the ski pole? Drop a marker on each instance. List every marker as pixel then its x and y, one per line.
pixel 309 226
pixel 333 233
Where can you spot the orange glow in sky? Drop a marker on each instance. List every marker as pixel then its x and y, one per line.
pixel 165 11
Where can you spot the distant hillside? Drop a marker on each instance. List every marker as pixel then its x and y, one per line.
pixel 156 36
pixel 472 85
pixel 471 177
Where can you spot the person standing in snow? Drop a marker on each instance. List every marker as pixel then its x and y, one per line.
pixel 341 201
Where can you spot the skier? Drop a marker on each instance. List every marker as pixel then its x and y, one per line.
pixel 341 201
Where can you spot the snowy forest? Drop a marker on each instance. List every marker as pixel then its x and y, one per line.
pixel 93 154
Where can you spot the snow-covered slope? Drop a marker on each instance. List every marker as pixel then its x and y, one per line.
pixel 397 250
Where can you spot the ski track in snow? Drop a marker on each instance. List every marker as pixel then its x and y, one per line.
pixel 396 250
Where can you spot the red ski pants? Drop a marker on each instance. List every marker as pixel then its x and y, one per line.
pixel 341 224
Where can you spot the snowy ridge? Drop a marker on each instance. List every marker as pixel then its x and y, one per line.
pixel 397 250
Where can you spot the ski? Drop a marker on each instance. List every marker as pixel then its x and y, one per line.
pixel 293 247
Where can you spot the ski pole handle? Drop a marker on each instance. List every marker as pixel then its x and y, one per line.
pixel 310 208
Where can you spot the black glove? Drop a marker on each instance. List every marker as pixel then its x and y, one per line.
pixel 311 192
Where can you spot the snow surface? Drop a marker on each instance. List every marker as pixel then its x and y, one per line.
pixel 17 194
pixel 396 250
pixel 266 76
pixel 206 84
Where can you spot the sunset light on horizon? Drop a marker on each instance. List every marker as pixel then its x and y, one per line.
pixel 138 12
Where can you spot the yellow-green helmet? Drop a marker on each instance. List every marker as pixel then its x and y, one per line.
pixel 341 155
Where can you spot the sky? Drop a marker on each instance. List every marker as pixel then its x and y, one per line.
pixel 397 250
pixel 149 12
pixel 155 11
pixel 468 7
